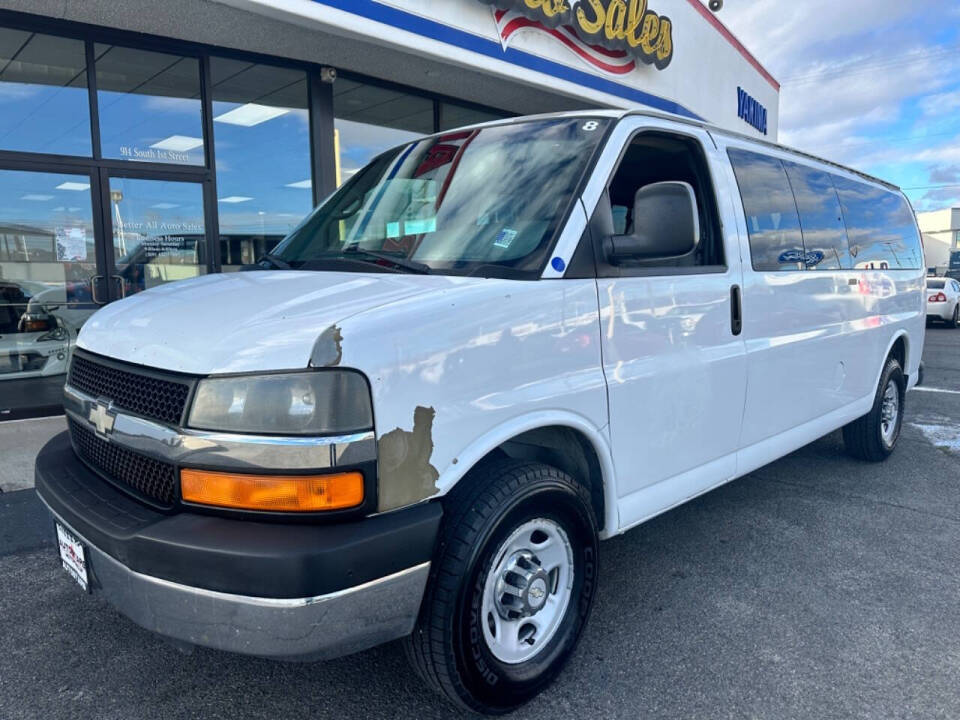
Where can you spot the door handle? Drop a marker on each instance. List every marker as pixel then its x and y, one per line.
pixel 736 310
pixel 123 284
pixel 94 281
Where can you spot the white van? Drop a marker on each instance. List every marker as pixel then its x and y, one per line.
pixel 487 351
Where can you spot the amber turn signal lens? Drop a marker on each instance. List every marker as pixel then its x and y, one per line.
pixel 278 493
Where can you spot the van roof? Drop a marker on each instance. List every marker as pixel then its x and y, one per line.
pixel 714 129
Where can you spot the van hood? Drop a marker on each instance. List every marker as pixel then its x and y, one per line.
pixel 241 322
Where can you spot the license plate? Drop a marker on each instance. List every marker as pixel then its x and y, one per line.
pixel 72 556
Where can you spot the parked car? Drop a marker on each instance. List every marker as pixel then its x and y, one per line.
pixel 487 351
pixel 943 301
pixel 33 341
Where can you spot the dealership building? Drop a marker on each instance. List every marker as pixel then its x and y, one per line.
pixel 146 142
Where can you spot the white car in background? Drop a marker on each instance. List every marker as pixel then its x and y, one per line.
pixel 943 300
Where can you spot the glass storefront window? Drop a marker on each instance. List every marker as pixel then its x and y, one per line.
pixel 47 260
pixel 371 119
pixel 44 104
pixel 158 232
pixel 149 106
pixel 261 129
pixel 454 116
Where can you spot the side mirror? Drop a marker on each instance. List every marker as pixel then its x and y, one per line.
pixel 666 225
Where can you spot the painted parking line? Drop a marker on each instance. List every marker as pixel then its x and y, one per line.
pixel 937 390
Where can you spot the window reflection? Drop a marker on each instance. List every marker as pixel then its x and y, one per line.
pixel 771 213
pixel 824 236
pixel 47 260
pixel 158 232
pixel 881 227
pixel 44 104
pixel 371 119
pixel 262 148
pixel 149 106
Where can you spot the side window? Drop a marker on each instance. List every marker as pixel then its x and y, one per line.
pixel 880 227
pixel 821 218
pixel 652 157
pixel 776 242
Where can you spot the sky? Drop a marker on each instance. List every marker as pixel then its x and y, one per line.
pixel 873 84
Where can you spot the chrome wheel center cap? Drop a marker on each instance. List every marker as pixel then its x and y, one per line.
pixel 523 587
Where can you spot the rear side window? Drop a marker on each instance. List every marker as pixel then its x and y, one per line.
pixel 821 218
pixel 880 227
pixel 776 242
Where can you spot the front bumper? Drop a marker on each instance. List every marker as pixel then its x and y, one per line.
pixel 289 591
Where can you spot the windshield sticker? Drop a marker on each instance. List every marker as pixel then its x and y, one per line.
pixel 505 238
pixel 419 227
pixel 393 230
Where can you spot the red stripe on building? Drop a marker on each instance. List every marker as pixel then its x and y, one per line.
pixel 520 23
pixel 732 39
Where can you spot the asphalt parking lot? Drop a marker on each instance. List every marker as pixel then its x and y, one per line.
pixel 817 587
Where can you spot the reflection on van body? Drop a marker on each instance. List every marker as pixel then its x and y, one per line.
pixel 487 350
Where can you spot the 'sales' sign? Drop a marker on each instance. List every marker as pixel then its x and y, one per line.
pixel 624 28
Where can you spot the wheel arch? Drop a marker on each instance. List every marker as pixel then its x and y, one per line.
pixel 898 348
pixel 566 440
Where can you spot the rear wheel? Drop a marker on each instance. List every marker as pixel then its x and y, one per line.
pixel 874 436
pixel 511 586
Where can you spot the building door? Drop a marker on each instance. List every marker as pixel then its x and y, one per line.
pixel 53 275
pixel 156 229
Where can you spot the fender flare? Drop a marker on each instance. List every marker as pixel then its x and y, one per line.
pixel 901 333
pixel 469 456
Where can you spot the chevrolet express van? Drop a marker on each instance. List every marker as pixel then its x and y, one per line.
pixel 487 351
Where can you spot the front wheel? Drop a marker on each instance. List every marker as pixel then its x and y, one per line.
pixel 954 321
pixel 511 586
pixel 873 436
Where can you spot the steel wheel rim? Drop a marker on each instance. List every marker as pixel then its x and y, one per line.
pixel 527 591
pixel 890 412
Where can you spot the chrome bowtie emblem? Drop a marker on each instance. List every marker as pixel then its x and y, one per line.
pixel 101 418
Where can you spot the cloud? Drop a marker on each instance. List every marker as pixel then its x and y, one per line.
pixel 786 36
pixel 940 104
pixel 938 198
pixel 945 174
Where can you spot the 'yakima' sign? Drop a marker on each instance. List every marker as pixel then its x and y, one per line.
pixel 623 26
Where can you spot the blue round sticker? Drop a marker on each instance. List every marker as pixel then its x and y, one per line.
pixel 558 264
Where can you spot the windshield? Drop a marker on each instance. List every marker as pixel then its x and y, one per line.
pixel 480 201
pixel 936 284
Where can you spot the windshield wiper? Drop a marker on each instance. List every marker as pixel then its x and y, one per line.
pixel 275 261
pixel 399 262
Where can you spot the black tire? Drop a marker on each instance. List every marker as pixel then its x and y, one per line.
pixel 447 647
pixel 864 438
pixel 954 321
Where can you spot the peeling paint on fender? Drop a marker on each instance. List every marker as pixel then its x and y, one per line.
pixel 328 349
pixel 405 473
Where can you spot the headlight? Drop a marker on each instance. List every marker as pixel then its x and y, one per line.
pixel 324 402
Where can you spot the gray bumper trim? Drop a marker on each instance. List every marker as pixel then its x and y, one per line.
pixel 315 628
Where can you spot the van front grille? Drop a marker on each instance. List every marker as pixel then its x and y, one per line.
pixel 145 394
pixel 151 479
